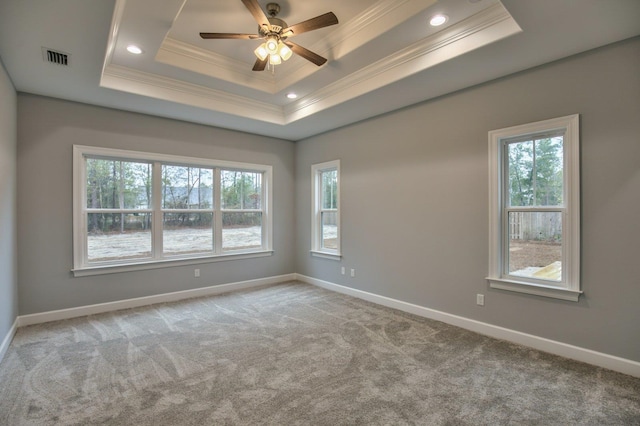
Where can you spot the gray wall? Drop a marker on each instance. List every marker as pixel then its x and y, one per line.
pixel 415 200
pixel 8 239
pixel 47 130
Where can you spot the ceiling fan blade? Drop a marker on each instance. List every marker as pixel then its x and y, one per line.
pixel 260 64
pixel 306 53
pixel 321 21
pixel 257 13
pixel 228 36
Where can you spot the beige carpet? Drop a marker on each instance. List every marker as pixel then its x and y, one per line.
pixel 293 354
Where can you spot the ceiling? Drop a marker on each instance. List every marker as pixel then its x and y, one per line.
pixel 383 55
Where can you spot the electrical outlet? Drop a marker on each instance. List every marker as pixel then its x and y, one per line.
pixel 196 273
pixel 343 270
pixel 353 272
pixel 480 299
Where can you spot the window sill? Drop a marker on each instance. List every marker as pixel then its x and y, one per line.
pixel 535 289
pixel 325 255
pixel 167 263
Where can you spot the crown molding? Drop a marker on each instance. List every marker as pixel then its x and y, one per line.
pixel 485 27
pixel 374 21
pixel 142 83
pixel 202 61
pixel 118 11
pixel 370 24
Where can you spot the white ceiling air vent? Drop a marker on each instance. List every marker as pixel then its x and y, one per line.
pixel 55 57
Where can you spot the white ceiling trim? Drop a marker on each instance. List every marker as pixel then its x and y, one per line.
pixel 118 11
pixel 374 21
pixel 485 27
pixel 142 83
pixel 378 19
pixel 206 62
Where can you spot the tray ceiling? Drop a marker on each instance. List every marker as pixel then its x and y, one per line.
pixel 382 55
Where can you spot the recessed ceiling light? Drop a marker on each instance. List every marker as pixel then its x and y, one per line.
pixel 438 20
pixel 291 95
pixel 132 48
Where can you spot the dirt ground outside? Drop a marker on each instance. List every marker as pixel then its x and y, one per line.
pixel 525 254
pixel 137 245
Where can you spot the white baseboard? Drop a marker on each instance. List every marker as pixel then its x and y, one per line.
pixel 148 300
pixel 7 339
pixel 577 353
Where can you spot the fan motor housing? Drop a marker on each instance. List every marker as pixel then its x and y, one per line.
pixel 277 24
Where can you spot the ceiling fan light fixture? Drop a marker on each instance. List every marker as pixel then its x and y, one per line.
pixel 276 56
pixel 275 59
pixel 284 51
pixel 271 45
pixel 261 52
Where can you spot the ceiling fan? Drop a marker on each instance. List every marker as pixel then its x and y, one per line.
pixel 275 32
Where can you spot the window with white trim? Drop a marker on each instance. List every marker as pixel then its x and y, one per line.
pixel 534 208
pixel 134 209
pixel 325 238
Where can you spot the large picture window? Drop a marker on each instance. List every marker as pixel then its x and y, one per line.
pixel 133 209
pixel 534 188
pixel 325 239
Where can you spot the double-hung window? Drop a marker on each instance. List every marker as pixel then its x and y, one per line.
pixel 534 208
pixel 133 209
pixel 325 237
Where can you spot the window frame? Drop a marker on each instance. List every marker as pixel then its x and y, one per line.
pixel 158 259
pixel 569 286
pixel 317 248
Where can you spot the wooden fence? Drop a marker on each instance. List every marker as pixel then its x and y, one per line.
pixel 539 226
